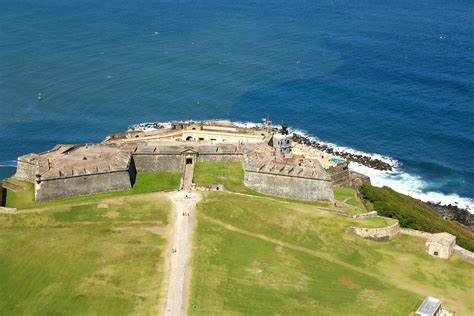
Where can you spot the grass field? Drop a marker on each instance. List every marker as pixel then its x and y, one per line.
pixel 146 182
pixel 89 259
pixel 259 257
pixel 348 196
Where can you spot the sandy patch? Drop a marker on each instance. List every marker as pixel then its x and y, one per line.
pixel 347 281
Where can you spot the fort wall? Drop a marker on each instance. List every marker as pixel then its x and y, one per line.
pixel 220 158
pixel 60 188
pixel 162 162
pixel 26 170
pixel 340 175
pixel 292 187
pixel 379 234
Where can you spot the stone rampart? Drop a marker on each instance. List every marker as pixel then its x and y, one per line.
pixel 358 216
pixel 161 162
pixel 26 169
pixel 306 189
pixel 415 233
pixel 340 174
pixel 219 158
pixel 60 188
pixel 383 233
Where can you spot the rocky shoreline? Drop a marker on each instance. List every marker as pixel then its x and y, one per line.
pixel 448 212
pixel 360 159
pixel 453 212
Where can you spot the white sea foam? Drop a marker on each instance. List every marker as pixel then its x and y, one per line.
pixel 412 185
pixel 8 163
pixel 397 179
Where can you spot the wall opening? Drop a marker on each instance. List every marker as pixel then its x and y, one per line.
pixel 189 161
pixel 435 253
pixel 189 138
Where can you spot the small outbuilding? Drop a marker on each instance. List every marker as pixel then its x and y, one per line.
pixel 440 245
pixel 431 306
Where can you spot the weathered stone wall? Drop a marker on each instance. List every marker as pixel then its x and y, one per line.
pixel 81 185
pixel 340 175
pixel 305 189
pixel 464 253
pixel 357 179
pixel 384 233
pixel 25 171
pixel 220 158
pixel 358 216
pixel 150 162
pixel 414 232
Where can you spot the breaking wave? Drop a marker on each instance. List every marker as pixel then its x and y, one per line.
pixel 8 164
pixel 397 179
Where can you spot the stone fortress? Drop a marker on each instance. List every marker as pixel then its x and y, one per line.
pixel 272 163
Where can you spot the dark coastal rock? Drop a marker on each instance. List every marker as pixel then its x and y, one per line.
pixel 142 126
pixel 361 159
pixel 453 212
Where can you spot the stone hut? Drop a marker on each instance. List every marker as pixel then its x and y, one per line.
pixel 440 245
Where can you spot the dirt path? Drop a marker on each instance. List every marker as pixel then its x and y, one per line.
pixel 184 203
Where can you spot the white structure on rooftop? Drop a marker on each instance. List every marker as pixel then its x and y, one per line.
pixel 440 245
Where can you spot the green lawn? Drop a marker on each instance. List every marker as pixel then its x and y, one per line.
pixel 230 174
pixel 348 196
pixel 94 259
pixel 259 257
pixel 146 182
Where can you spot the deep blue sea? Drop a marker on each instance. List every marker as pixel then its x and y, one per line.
pixel 395 78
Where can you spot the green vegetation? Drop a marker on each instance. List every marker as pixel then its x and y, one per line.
pixel 349 196
pixel 414 214
pixel 230 174
pixel 260 257
pixel 96 258
pixel 145 182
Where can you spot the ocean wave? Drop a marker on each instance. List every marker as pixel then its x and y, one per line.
pixel 413 186
pixel 148 126
pixel 8 164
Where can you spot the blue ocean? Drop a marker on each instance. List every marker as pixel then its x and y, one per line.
pixel 388 78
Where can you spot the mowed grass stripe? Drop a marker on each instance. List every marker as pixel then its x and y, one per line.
pixel 238 273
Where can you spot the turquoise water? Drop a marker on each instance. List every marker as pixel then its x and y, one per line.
pixel 393 78
pixel 336 160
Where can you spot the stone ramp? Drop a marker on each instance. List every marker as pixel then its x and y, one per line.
pixel 188 177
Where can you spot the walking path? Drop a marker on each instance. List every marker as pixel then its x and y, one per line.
pixel 188 177
pixel 184 203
